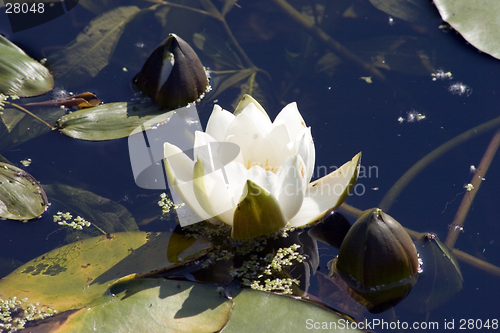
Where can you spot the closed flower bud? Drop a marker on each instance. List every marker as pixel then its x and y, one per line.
pixel 378 261
pixel 173 75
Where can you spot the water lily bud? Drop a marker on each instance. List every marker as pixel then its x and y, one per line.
pixel 378 261
pixel 173 75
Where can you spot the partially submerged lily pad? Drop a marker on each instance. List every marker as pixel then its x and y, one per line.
pixel 91 51
pixel 408 10
pixel 106 214
pixel 17 126
pixel 21 75
pixel 440 279
pixel 21 195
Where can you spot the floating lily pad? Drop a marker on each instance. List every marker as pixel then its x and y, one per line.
pixel 21 196
pixel 148 305
pixel 158 305
pixel 72 276
pixel 476 21
pixel 440 279
pixel 21 75
pixel 256 311
pixel 109 121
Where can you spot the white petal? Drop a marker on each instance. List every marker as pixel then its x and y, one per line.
pixel 286 151
pixel 201 144
pixel 279 139
pixel 265 179
pixel 304 146
pixel 327 193
pixel 243 131
pixel 218 123
pixel 244 149
pixel 179 169
pixel 261 152
pixel 247 99
pixel 294 122
pixel 211 191
pixel 257 117
pixel 179 164
pixel 291 185
pixel 237 177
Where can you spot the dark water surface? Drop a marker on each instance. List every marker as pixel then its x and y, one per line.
pixel 347 115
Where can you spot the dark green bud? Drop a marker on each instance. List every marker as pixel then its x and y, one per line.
pixel 378 260
pixel 173 75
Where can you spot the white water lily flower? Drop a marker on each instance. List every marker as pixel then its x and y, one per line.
pixel 253 174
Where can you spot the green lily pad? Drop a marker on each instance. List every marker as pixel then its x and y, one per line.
pixel 74 275
pixel 109 121
pixel 440 279
pixel 256 311
pixel 148 305
pixel 21 196
pixel 476 21
pixel 21 75
pixel 158 305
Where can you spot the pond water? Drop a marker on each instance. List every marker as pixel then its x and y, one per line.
pixel 346 113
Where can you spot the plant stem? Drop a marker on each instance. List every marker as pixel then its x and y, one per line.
pixel 175 5
pixel 476 262
pixel 326 40
pixel 215 13
pixel 405 179
pixel 28 112
pixel 477 178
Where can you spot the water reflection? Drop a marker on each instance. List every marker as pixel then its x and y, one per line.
pixel 347 115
